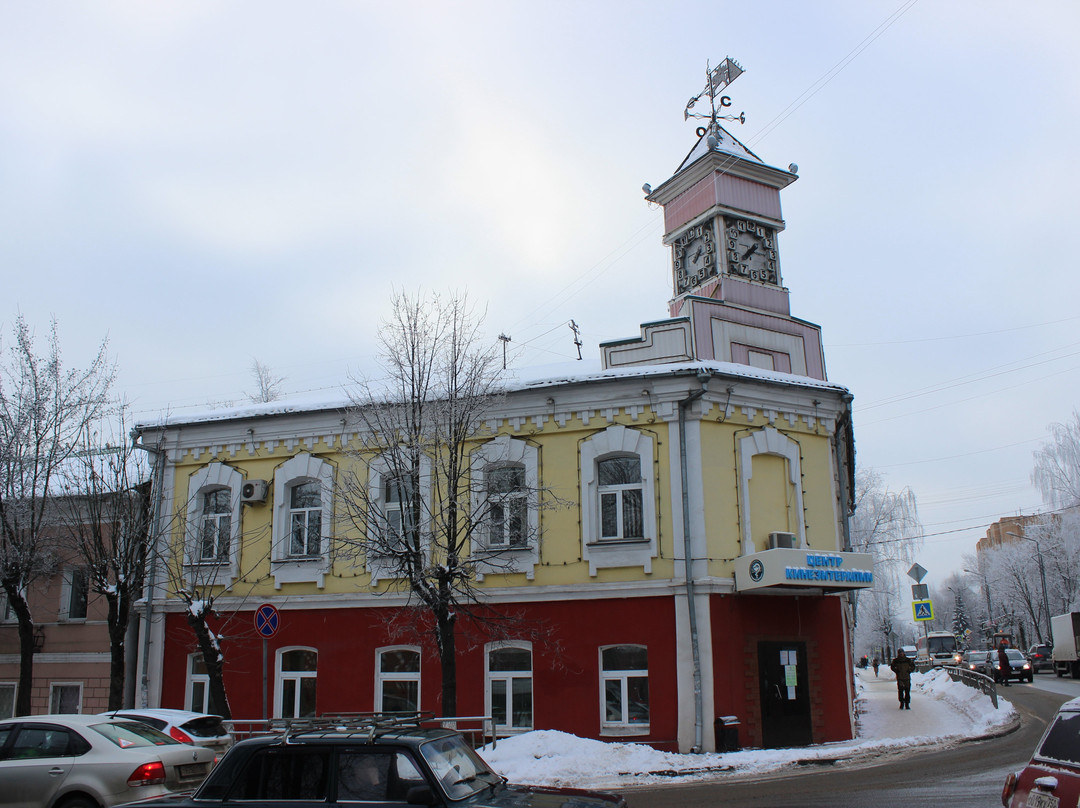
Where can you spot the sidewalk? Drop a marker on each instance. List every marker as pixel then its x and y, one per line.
pixel 943 713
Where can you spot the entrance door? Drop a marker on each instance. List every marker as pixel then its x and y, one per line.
pixel 785 696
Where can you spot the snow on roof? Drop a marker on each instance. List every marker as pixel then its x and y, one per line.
pixel 725 142
pixel 515 380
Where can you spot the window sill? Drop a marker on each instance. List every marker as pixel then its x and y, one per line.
pixel 304 559
pixel 625 730
pixel 617 542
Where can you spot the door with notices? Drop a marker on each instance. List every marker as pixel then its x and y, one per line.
pixel 785 695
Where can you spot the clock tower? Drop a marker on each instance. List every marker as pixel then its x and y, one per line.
pixel 721 220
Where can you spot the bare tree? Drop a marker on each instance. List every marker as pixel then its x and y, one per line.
pixel 423 518
pixel 1057 465
pixel 105 518
pixel 267 385
pixel 44 407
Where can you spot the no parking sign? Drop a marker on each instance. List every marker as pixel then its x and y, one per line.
pixel 267 620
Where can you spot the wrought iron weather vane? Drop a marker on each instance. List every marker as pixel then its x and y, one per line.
pixel 716 80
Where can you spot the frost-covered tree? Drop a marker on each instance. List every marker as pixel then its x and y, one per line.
pixel 105 521
pixel 1056 472
pixel 267 385
pixel 418 513
pixel 44 407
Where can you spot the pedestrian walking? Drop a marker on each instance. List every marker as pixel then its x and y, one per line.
pixel 1003 665
pixel 903 667
pixel 877 662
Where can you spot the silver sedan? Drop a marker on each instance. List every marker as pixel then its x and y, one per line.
pixel 90 761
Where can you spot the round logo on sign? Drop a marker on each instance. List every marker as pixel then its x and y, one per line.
pixel 757 570
pixel 267 620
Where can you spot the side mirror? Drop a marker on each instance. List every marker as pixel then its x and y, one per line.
pixel 420 795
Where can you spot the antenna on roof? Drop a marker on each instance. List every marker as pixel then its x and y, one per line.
pixel 577 337
pixel 716 79
pixel 505 339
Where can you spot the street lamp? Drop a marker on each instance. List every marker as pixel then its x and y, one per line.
pixel 1042 575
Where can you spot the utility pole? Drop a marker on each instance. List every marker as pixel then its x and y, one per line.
pixel 577 337
pixel 505 339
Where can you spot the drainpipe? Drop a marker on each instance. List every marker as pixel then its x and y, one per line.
pixel 152 561
pixel 688 557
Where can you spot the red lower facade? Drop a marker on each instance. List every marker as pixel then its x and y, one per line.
pixel 778 664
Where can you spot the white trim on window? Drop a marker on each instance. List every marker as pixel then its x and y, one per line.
pixel 295 685
pixel 407 679
pixel 381 470
pixel 601 552
pixel 74 598
pixel 301 568
pixel 503 684
pixel 219 570
pixel 197 688
pixel 58 697
pixel 500 452
pixel 769 441
pixel 624 692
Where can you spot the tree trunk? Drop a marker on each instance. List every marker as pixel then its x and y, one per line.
pixel 212 658
pixel 445 621
pixel 118 620
pixel 21 608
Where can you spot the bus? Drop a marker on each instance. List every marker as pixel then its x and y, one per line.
pixel 935 649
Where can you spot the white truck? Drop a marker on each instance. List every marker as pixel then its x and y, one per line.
pixel 1065 632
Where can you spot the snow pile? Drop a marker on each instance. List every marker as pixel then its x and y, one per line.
pixel 943 712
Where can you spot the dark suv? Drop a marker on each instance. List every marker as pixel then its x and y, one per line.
pixel 380 761
pixel 1041 657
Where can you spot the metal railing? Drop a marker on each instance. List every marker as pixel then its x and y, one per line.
pixel 979 681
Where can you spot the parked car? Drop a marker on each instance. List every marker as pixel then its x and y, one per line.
pixel 197 729
pixel 1019 667
pixel 378 761
pixel 91 761
pixel 1052 778
pixel 1041 657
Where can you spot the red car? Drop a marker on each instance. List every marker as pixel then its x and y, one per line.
pixel 1052 778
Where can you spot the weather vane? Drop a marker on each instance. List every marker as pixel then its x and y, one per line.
pixel 716 79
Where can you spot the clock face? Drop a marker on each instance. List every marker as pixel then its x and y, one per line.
pixel 751 251
pixel 695 257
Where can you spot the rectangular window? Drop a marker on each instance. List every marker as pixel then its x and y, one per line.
pixel 621 498
pixel 78 591
pixel 7 699
pixel 510 688
pixel 306 515
pixel 298 681
pixel 198 685
pixel 65 698
pixel 216 525
pixel 507 503
pixel 625 686
pixel 398 681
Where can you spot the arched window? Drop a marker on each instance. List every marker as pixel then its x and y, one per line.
pixel 213 522
pixel 397 680
pixel 198 685
pixel 305 519
pixel 510 686
pixel 296 680
pixel 624 688
pixel 215 534
pixel 302 516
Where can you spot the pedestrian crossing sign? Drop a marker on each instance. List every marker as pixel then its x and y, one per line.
pixel 924 609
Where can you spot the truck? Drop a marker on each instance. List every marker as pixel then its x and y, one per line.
pixel 937 648
pixel 1065 632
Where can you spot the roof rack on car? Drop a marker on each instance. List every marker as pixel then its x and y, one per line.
pixel 368 724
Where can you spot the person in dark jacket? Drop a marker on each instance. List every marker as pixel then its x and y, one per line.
pixel 1003 665
pixel 903 667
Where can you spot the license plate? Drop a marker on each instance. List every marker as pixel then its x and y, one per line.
pixel 200 770
pixel 1040 799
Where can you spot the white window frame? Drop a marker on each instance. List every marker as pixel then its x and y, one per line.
pixel 499 452
pixel 397 676
pixel 603 552
pixel 53 692
pixel 193 678
pixel 216 571
pixel 67 591
pixel 14 688
pixel 302 468
pixel 217 516
pixel 508 677
pixel 618 492
pixel 280 677
pixel 623 676
pixel 380 470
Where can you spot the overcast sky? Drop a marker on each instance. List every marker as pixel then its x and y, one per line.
pixel 208 183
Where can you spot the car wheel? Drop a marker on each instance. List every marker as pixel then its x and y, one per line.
pixel 79 801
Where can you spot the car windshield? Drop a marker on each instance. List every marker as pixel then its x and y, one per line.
pixel 127 734
pixel 1015 656
pixel 1062 740
pixel 460 770
pixel 941 645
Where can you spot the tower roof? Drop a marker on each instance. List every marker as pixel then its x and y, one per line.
pixel 726 143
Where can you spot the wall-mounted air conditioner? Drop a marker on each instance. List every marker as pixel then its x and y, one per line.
pixel 778 541
pixel 253 491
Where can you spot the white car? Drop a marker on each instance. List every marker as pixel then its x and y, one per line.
pixel 197 729
pixel 91 761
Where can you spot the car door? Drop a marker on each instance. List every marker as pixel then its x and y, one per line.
pixel 34 762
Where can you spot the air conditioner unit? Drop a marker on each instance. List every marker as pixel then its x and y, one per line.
pixel 253 491
pixel 784 541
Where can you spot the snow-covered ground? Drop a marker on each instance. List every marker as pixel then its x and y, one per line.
pixel 942 713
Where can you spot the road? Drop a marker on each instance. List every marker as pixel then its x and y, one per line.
pixel 968 776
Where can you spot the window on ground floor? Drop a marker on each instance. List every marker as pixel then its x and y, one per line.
pixel 510 687
pixel 65 697
pixel 297 676
pixel 7 699
pixel 624 690
pixel 198 685
pixel 397 680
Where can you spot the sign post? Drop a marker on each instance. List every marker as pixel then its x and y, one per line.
pixel 267 622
